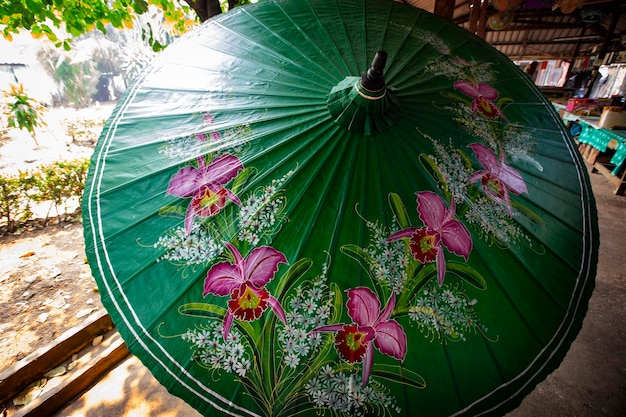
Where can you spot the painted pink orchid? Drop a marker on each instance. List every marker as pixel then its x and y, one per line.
pixel 497 179
pixel 245 281
pixel 205 186
pixel 483 95
pixel 441 229
pixel 370 326
pixel 213 135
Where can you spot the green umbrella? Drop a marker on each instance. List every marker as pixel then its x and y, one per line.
pixel 338 207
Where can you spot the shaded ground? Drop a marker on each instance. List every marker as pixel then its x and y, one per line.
pixel 591 381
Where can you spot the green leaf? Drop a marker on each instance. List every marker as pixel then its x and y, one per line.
pixel 395 202
pixel 456 97
pixel 209 311
pixel 241 179
pixel 467 273
pixel 432 168
pixel 416 282
pixel 466 160
pixel 140 6
pixel 292 275
pixel 172 211
pixel 202 310
pixel 399 375
pixel 334 288
pixel 360 255
pixel 528 213
pixel 504 101
pixel 75 31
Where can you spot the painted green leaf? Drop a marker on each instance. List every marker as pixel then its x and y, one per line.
pixel 359 254
pixel 432 167
pixel 336 304
pixel 504 101
pixel 527 212
pixel 292 275
pixel 399 210
pixel 241 179
pixel 416 282
pixel 172 211
pixel 202 310
pixel 456 97
pixel 467 273
pixel 398 374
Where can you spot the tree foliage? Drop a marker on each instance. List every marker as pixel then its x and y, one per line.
pixel 75 17
pixel 23 111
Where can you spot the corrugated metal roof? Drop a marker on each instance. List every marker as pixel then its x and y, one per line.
pixel 539 32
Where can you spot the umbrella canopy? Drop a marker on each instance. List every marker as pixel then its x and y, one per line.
pixel 338 207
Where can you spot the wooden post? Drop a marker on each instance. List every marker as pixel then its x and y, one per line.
pixel 445 8
pixel 602 53
pixel 482 20
pixel 474 15
pixel 575 54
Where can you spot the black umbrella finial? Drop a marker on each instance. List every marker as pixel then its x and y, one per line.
pixel 373 79
pixel 364 103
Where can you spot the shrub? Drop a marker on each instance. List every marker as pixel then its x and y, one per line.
pixel 15 205
pixel 83 130
pixel 56 183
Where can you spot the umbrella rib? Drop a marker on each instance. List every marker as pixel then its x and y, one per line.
pixel 252 110
pixel 299 85
pixel 383 35
pixel 455 384
pixel 344 34
pixel 330 151
pixel 278 54
pixel 326 42
pixel 397 68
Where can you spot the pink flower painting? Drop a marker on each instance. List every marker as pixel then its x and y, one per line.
pixel 484 96
pixel 497 179
pixel 440 229
pixel 245 282
pixel 371 328
pixel 205 186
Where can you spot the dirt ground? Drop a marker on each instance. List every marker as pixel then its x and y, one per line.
pixel 46 286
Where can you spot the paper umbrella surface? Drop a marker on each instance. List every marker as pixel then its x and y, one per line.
pixel 340 207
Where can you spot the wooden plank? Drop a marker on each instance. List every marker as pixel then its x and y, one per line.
pixel 620 185
pixel 21 374
pixel 621 189
pixel 592 155
pixel 83 377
